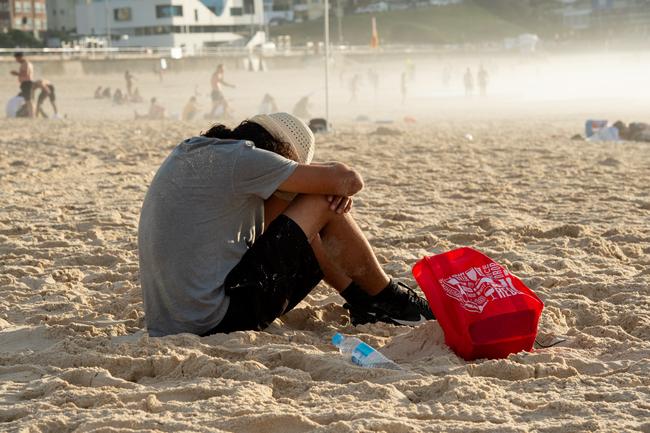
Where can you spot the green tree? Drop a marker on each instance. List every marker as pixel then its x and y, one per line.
pixel 17 38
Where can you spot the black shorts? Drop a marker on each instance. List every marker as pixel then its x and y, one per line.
pixel 217 96
pixel 26 90
pixel 273 276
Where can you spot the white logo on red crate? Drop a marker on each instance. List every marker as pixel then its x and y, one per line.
pixel 476 287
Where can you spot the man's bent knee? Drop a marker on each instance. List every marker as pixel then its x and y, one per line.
pixel 311 212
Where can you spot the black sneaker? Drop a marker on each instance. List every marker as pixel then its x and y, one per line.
pixel 362 316
pixel 397 304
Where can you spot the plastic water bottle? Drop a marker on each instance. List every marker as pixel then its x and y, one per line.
pixel 362 354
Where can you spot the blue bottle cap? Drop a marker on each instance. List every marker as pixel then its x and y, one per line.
pixel 337 339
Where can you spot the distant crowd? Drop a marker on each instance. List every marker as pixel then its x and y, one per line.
pixel 22 104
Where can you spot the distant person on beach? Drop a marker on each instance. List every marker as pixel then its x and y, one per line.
pixel 217 83
pixel 301 109
pixel 156 111
pixel 47 91
pixel 410 69
pixel 25 75
pixel 128 78
pixel 136 97
pixel 355 84
pixel 482 78
pixel 190 110
pixel 635 131
pixel 268 105
pixel 468 81
pixel 238 226
pixel 160 67
pixel 404 86
pixel 98 92
pixel 119 98
pixel 107 93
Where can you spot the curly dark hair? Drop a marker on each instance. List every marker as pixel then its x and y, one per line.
pixel 251 131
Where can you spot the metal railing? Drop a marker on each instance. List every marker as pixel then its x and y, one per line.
pixel 316 49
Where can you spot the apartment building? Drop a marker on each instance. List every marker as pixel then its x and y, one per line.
pixel 26 15
pixel 191 24
pixel 61 15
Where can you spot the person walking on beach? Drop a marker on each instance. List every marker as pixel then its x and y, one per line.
pixel 482 78
pixel 468 81
pixel 403 86
pixel 25 74
pixel 128 78
pixel 217 83
pixel 238 226
pixel 355 83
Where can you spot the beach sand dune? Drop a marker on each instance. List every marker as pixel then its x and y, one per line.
pixel 570 218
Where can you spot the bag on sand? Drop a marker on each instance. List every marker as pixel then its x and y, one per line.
pixel 484 310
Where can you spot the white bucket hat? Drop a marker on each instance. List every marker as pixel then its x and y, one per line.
pixel 289 129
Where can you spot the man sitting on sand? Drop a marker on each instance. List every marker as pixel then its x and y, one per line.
pixel 268 105
pixel 190 110
pixel 237 227
pixel 156 111
pixel 301 109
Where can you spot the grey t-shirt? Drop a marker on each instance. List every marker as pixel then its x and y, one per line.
pixel 204 206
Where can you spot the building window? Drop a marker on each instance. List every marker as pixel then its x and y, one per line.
pixel 38 7
pixel 236 12
pixel 215 6
pixel 196 15
pixel 54 12
pixel 18 6
pixel 122 14
pixel 27 7
pixel 168 11
pixel 249 7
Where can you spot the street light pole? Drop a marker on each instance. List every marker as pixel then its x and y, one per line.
pixel 327 64
pixel 339 18
pixel 108 24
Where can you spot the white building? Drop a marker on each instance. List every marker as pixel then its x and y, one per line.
pixel 278 11
pixel 190 24
pixel 60 15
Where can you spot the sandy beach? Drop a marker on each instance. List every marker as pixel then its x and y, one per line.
pixel 570 218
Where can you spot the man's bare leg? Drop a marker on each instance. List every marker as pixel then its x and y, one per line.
pixel 333 275
pixel 342 241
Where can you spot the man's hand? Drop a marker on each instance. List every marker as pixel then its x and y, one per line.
pixel 340 204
